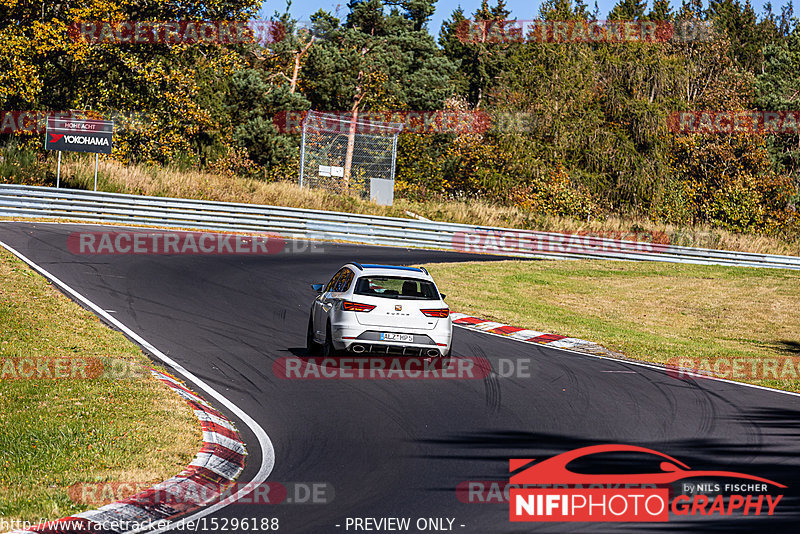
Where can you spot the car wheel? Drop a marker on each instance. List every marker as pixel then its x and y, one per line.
pixel 313 347
pixel 328 350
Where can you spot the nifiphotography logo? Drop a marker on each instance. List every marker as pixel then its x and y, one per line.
pixel 551 491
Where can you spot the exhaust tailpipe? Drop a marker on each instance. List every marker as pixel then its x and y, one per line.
pixel 358 349
pixel 433 353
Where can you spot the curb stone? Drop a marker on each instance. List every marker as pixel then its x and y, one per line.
pixel 542 338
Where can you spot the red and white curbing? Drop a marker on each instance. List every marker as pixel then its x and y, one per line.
pixel 551 340
pixel 219 462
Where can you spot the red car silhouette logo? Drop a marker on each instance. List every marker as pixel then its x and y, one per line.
pixel 554 470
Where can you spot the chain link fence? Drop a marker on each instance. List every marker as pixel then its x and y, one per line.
pixel 355 157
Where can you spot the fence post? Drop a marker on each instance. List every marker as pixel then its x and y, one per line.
pixel 303 151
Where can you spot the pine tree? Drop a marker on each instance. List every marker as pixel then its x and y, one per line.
pixel 662 10
pixel 747 34
pixel 778 89
pixel 366 16
pixel 564 10
pixel 377 60
pixel 628 10
pixel 418 12
pixel 479 63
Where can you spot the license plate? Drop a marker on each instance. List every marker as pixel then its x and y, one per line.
pixel 407 338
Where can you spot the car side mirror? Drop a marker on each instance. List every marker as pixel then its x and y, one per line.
pixel 317 287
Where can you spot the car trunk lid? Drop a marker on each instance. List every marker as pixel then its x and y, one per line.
pixel 396 313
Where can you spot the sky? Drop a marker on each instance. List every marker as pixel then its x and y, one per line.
pixel 520 9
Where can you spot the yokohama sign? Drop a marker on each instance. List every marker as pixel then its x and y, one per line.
pixel 79 135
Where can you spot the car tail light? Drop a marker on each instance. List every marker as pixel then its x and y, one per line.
pixel 438 312
pixel 356 307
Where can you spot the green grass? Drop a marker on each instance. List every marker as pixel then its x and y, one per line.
pixel 656 312
pixel 56 433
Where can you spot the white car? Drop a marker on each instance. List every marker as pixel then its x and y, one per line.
pixel 381 309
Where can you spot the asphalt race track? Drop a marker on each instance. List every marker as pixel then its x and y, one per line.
pixel 399 448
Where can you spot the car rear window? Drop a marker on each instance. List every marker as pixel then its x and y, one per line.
pixel 396 287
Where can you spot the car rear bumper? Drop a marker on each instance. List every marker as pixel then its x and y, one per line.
pixel 431 343
pixel 394 349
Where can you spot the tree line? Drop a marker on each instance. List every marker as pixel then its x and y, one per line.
pixel 580 129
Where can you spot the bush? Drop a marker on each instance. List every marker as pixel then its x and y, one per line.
pixel 20 164
pixel 555 195
pixel 727 182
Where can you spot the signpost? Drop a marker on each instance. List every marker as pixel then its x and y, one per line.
pixel 79 135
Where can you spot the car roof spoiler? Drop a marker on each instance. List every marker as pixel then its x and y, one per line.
pixel 397 267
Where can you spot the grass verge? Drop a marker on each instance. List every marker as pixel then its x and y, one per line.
pixel 56 433
pixel 650 311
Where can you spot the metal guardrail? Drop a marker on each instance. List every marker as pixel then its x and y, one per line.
pixel 89 206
